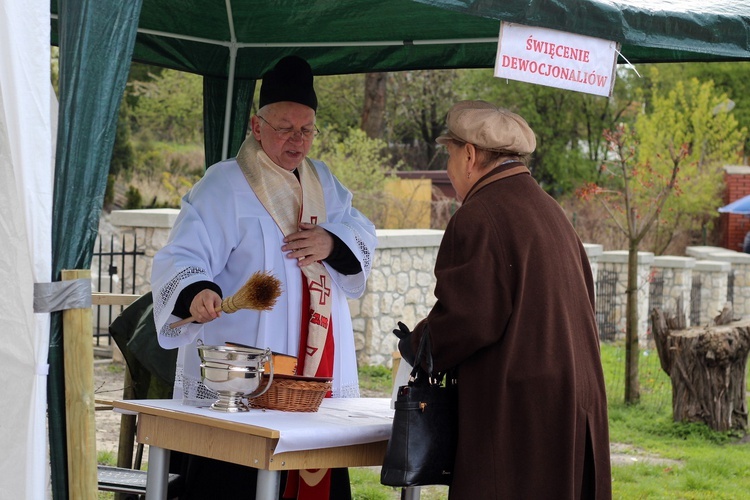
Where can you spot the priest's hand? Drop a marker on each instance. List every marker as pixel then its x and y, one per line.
pixel 310 244
pixel 204 305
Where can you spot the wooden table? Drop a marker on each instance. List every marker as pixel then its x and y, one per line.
pixel 342 433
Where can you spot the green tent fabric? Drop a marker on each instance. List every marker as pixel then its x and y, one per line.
pixel 354 36
pixel 214 114
pixel 239 41
pixel 649 31
pixel 96 43
pixel 233 43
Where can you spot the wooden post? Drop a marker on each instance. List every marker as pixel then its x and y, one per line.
pixel 707 369
pixel 78 356
pixel 127 427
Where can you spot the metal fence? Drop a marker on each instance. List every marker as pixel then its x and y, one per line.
pixel 606 289
pixel 111 261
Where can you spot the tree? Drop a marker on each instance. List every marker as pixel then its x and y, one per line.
pixel 170 107
pixel 340 101
pixel 696 114
pixel 666 165
pixel 360 163
pixel 373 109
pixel 728 77
pixel 568 125
pixel 417 105
pixel 123 153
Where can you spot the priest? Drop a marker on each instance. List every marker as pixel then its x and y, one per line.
pixel 269 209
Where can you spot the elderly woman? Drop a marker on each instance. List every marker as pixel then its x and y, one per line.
pixel 515 316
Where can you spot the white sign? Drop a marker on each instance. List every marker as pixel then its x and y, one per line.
pixel 556 59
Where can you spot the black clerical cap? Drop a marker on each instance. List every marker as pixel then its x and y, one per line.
pixel 290 80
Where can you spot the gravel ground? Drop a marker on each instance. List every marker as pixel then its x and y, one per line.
pixel 109 381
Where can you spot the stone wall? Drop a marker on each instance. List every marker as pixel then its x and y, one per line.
pixel 617 262
pixel 401 286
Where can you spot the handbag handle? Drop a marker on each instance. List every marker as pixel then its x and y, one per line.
pixel 424 352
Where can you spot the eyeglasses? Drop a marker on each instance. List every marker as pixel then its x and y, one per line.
pixel 289 132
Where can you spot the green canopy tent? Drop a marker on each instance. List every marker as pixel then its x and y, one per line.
pixel 231 43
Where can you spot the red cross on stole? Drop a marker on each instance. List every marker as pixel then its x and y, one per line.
pixel 321 288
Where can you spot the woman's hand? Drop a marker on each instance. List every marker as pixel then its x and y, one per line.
pixel 404 343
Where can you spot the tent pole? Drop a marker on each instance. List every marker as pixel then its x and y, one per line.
pixel 228 109
pixel 80 422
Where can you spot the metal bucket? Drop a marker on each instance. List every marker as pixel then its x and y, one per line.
pixel 235 373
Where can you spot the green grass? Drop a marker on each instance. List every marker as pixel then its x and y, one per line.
pixel 707 464
pixel 375 378
pixel 115 367
pixel 106 458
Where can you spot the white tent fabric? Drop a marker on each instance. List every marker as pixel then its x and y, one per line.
pixel 27 128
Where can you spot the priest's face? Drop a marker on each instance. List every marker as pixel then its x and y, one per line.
pixel 285 131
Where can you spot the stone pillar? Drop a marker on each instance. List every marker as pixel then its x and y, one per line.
pixel 676 274
pixel 740 279
pixel 593 252
pixel 702 252
pixel 713 276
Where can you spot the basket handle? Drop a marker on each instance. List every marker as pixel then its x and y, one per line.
pixel 269 359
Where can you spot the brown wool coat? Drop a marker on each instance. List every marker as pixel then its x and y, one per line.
pixel 515 314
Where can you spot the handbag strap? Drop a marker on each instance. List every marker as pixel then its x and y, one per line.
pixel 424 356
pixel 424 353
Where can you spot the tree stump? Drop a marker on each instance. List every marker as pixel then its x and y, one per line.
pixel 707 368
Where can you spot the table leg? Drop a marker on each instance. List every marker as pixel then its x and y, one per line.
pixel 411 493
pixel 269 482
pixel 157 477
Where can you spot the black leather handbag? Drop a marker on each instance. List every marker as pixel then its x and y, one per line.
pixel 422 447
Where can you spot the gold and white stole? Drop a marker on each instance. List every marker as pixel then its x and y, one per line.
pixel 290 201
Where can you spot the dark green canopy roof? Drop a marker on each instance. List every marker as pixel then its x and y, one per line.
pixel 648 30
pixel 352 36
pixel 232 43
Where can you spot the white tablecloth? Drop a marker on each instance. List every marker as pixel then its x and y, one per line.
pixel 338 422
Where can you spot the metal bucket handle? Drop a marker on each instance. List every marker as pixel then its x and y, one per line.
pixel 267 358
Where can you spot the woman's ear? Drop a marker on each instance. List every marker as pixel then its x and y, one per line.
pixel 470 153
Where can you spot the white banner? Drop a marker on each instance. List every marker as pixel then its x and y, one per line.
pixel 556 59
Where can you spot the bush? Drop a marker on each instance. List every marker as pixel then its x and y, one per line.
pixel 109 192
pixel 134 198
pixel 360 163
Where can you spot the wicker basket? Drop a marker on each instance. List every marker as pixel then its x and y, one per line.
pixel 287 394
